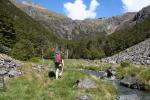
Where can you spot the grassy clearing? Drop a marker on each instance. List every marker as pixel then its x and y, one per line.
pixel 79 64
pixel 36 85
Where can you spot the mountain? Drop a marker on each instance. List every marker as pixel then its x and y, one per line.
pixel 130 33
pixel 29 30
pixel 137 19
pixel 21 34
pixel 73 29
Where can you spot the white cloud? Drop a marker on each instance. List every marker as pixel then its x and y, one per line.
pixel 78 10
pixel 134 5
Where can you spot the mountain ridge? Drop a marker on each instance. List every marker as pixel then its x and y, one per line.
pixel 74 29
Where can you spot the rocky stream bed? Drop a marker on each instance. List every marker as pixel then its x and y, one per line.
pixel 125 93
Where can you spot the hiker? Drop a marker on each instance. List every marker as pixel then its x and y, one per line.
pixel 59 63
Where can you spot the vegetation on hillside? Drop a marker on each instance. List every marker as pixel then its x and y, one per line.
pixel 19 32
pixel 104 46
pixel 126 38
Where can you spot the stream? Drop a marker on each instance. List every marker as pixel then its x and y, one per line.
pixel 124 92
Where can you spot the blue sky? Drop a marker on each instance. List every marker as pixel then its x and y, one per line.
pixel 101 8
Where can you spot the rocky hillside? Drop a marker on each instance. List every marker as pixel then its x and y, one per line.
pixel 9 66
pixel 138 18
pixel 138 54
pixel 65 27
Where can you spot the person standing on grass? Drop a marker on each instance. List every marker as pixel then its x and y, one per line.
pixel 59 63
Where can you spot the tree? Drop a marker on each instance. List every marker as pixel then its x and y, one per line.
pixel 23 50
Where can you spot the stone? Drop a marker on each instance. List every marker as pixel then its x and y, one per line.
pixel 8 66
pixel 13 73
pixel 84 97
pixel 133 82
pixel 111 71
pixel 128 97
pixel 85 83
pixel 3 72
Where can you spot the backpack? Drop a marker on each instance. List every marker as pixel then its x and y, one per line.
pixel 58 57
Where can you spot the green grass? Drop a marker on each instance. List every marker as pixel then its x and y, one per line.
pixel 79 64
pixel 33 86
pixel 36 85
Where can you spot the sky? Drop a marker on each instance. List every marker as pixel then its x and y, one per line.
pixel 86 9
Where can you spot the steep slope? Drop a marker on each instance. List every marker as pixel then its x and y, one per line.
pixel 73 29
pixel 17 27
pixel 138 54
pixel 127 37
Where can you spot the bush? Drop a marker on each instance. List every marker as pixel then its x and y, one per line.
pixel 86 54
pixel 48 54
pixel 35 59
pixel 96 53
pixel 145 74
pixel 125 64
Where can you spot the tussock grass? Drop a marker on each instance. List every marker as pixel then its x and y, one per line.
pixel 86 64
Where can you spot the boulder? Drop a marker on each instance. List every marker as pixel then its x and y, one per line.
pixel 111 72
pixel 133 82
pixel 85 83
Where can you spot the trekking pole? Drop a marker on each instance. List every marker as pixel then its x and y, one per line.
pixel 42 58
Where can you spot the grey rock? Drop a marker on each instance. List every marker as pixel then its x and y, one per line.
pixel 8 66
pixel 3 72
pixel 128 97
pixel 85 83
pixel 13 73
pixel 111 72
pixel 133 82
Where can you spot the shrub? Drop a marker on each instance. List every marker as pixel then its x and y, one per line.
pixel 35 59
pixel 125 64
pixel 48 54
